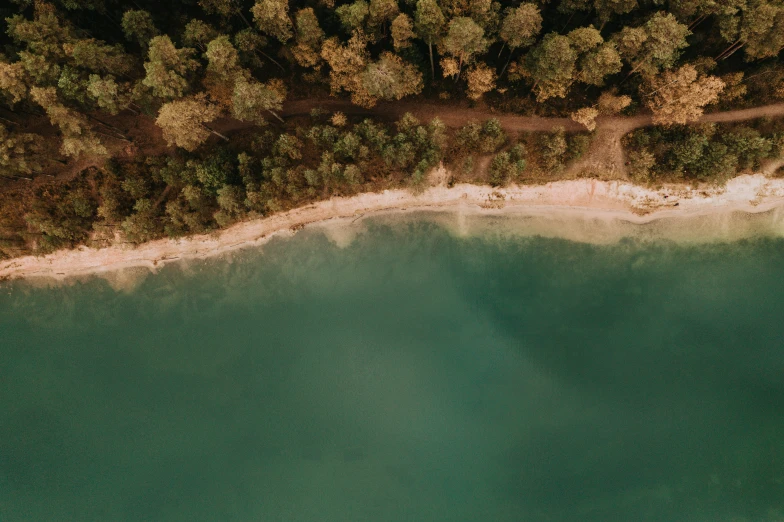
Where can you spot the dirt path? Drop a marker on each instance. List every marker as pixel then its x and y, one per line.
pixel 605 158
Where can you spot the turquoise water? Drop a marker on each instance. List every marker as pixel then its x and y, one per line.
pixel 410 376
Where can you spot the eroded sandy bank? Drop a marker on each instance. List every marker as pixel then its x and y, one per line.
pixel 583 201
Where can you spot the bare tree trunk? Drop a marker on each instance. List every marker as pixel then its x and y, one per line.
pixel 567 22
pixel 733 51
pixel 432 66
pixel 725 51
pixel 115 129
pixel 698 21
pixel 506 64
pixel 276 115
pixel 217 134
pixel 270 58
pixel 239 12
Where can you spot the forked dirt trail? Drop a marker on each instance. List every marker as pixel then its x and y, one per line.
pixel 605 158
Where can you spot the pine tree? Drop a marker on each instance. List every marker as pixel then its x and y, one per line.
pixel 402 31
pixel 252 100
pixel 391 78
pixel 464 39
pixel 138 26
pixel 429 24
pixel 183 122
pixel 272 18
pixel 13 81
pixel 481 79
pixel 167 68
pixel 679 96
pixel 309 38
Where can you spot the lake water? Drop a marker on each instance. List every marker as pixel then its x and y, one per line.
pixel 411 375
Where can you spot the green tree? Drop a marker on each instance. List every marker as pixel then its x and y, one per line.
pixel 429 24
pixel 605 9
pixel 251 100
pixel 520 27
pixel 108 94
pixel 78 137
pixel 21 153
pixel 96 56
pixel 464 40
pixel 354 15
pixel 654 46
pixel 167 68
pixel 138 26
pixel 198 33
pixel 391 78
pixel 309 38
pixel 551 65
pixel 599 63
pixel 223 70
pixel 272 18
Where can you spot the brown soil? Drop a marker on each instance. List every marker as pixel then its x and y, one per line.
pixel 605 158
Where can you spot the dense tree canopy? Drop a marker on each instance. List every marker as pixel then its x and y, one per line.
pixel 103 84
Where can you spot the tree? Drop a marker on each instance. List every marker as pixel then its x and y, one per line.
pixel 679 96
pixel 429 24
pixel 198 33
pixel 309 38
pixel 20 153
pixel 552 149
pixel 464 40
pixel 607 8
pixel 107 94
pixel 223 8
pixel 78 137
pixel 654 46
pixel 583 39
pixel 609 103
pixel 166 68
pixel 96 56
pixel 402 31
pixel 13 81
pixel 756 25
pixel 353 16
pixel 138 25
pixel 507 166
pixel 521 25
pixel 346 64
pixel 252 99
pixel 551 64
pixel 272 18
pixel 183 122
pixel 382 11
pixel 599 63
pixel 585 117
pixel 223 70
pixel 481 79
pixel 391 78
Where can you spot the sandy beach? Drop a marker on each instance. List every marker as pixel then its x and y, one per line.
pixel 585 199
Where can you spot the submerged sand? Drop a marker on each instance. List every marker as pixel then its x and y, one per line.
pixel 581 210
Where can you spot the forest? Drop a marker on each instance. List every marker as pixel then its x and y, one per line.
pixel 130 121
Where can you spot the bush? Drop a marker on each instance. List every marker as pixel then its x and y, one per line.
pixel 507 166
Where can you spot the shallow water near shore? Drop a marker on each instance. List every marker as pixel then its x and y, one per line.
pixel 408 373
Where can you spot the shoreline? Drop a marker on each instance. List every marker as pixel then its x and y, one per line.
pixel 583 199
